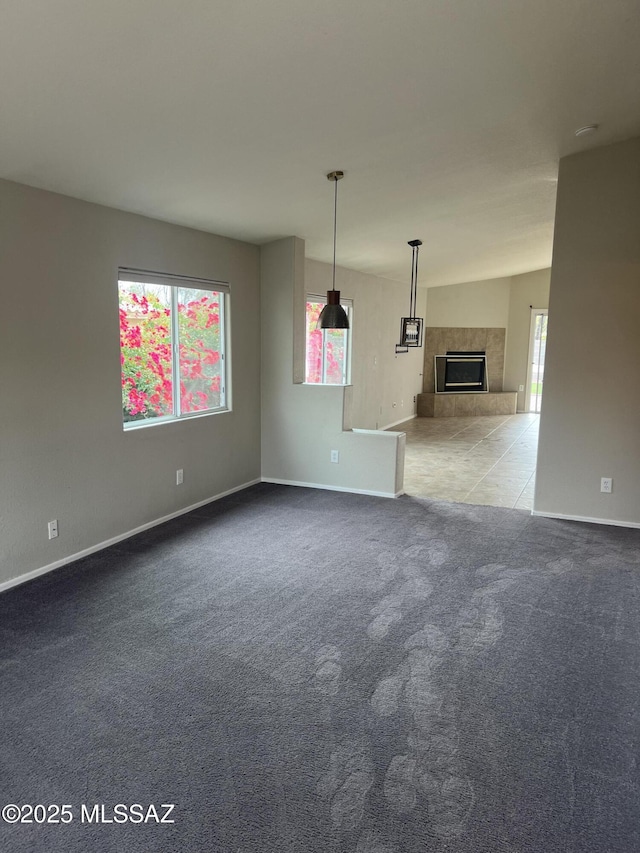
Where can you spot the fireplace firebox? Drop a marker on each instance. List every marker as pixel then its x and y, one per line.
pixel 461 372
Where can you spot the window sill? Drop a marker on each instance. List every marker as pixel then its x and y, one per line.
pixel 326 384
pixel 134 426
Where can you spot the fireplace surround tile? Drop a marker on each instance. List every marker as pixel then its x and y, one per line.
pixel 486 405
pixel 431 405
pixel 466 404
pixel 439 339
pixel 504 406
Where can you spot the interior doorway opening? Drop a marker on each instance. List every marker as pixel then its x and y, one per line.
pixel 537 352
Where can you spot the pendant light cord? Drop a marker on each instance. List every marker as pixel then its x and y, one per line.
pixel 413 296
pixel 335 231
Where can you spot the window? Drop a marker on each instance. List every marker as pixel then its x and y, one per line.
pixel 172 342
pixel 328 354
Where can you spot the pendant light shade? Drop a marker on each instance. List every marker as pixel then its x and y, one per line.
pixel 333 315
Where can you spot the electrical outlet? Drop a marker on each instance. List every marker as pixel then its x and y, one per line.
pixel 335 457
pixel 53 528
pixel 606 485
pixel 179 476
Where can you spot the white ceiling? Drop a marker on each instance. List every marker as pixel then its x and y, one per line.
pixel 448 117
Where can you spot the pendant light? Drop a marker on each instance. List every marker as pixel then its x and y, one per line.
pixel 333 315
pixel 411 326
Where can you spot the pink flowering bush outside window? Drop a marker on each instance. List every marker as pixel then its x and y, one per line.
pixel 326 349
pixel 171 356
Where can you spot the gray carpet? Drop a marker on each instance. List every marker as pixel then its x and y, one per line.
pixel 305 671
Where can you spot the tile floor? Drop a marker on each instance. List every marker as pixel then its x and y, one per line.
pixel 479 460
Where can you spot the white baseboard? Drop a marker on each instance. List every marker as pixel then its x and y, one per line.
pixel 402 421
pixel 43 570
pixel 586 519
pixel 332 488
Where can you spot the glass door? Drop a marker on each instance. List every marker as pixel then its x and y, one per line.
pixel 537 350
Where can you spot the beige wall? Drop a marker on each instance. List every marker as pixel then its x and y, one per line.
pixel 302 424
pixel 590 422
pixel 525 291
pixel 63 451
pixel 470 305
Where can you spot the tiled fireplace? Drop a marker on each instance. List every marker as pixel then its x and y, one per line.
pixel 439 341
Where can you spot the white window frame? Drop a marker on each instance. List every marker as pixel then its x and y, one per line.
pixel 175 282
pixel 347 304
